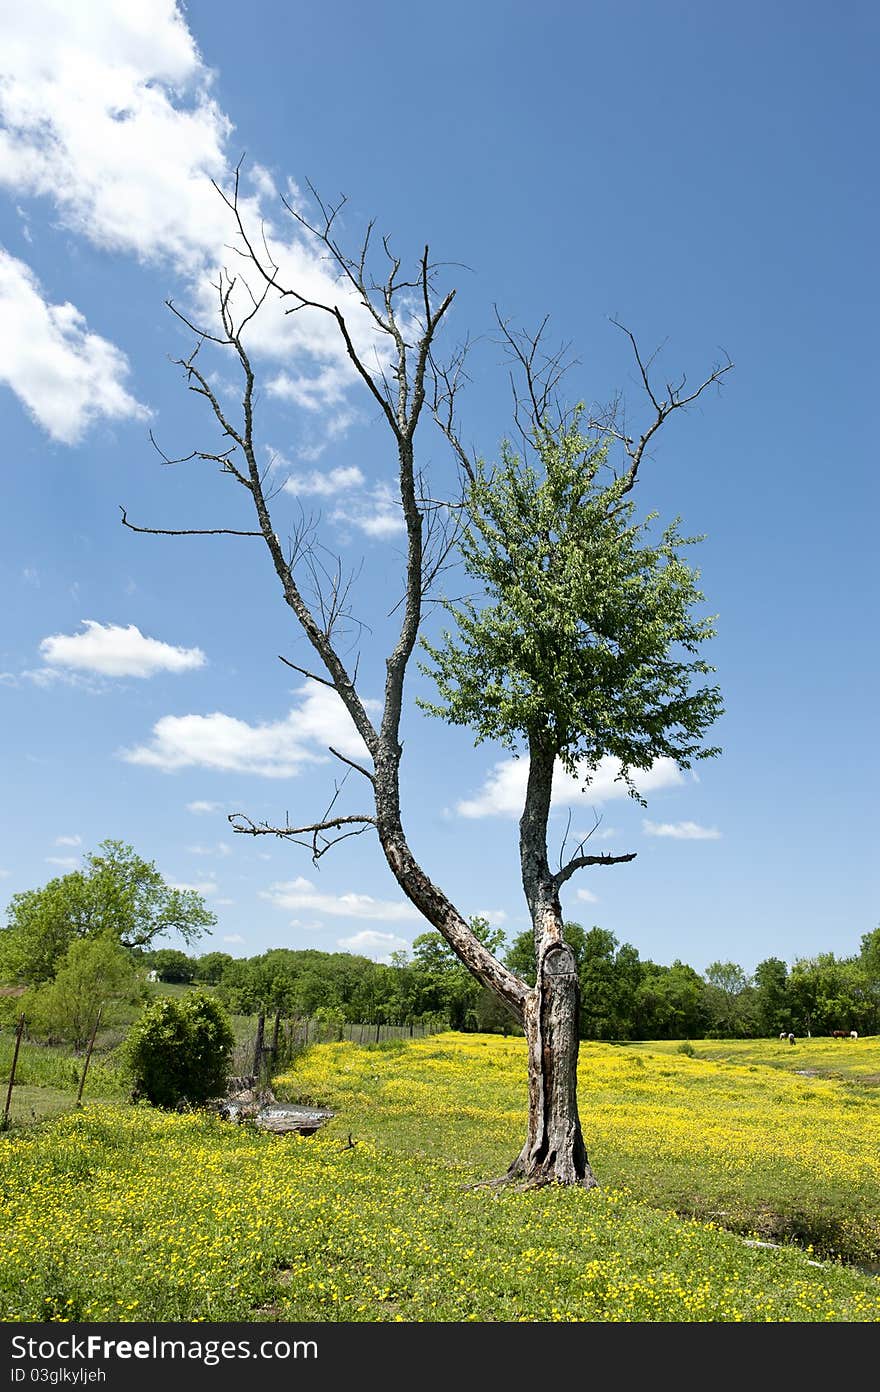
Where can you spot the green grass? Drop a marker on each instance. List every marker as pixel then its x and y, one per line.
pixel 59 1068
pixel 125 1213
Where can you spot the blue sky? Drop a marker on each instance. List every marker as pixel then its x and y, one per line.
pixel 704 175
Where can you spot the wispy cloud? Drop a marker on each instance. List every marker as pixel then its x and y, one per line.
pixel 503 793
pixel 65 376
pixel 371 943
pixel 63 862
pixel 109 113
pixel 276 749
pixel 300 893
pixel 377 513
pixel 324 485
pixel 204 887
pixel 68 840
pixel 681 831
pixel 200 808
pixel 586 896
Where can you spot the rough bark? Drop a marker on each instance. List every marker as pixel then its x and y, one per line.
pixel 554 1149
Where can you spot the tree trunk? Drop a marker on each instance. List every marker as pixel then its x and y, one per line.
pixel 554 1149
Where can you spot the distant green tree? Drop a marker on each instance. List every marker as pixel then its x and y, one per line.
pixel 170 964
pixel 729 1001
pixel 93 974
pixel 456 992
pixel 117 894
pixel 772 1003
pixel 670 1002
pixel 210 967
pixel 178 1051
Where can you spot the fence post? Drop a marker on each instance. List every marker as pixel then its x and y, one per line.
pixel 275 1028
pixel 18 1033
pixel 82 1081
pixel 258 1045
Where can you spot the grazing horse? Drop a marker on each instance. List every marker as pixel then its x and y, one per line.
pixel 844 1034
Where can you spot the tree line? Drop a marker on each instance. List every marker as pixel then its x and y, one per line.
pixel 90 936
pixel 622 996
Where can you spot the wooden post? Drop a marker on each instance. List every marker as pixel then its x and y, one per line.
pixel 275 1028
pixel 258 1045
pixel 378 1028
pixel 82 1081
pixel 18 1033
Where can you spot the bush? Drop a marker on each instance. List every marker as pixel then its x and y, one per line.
pixel 178 1051
pixel 686 1048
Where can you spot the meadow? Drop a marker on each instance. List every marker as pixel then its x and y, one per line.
pixel 113 1212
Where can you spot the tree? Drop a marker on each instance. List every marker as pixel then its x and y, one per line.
pixel 730 1001
pixel 178 1051
pixel 170 964
pixel 117 894
pixel 94 973
pixel 772 1004
pixel 613 687
pixel 211 966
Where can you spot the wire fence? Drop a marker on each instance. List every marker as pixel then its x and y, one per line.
pixel 269 1042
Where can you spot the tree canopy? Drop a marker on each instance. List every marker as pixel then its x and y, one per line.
pixel 588 637
pixel 117 895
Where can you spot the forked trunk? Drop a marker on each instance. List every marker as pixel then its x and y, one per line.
pixel 554 1149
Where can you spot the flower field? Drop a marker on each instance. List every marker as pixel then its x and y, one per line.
pixel 126 1213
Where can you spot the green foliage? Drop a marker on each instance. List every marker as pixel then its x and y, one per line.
pixel 588 635
pixel 179 1050
pixel 117 895
pixel 210 967
pixel 93 973
pixel 772 1005
pixel 169 964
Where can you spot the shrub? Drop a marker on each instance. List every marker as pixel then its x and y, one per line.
pixel 178 1051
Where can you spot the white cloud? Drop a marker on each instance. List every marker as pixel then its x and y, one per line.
pixel 68 840
pixel 109 650
pixel 63 862
pixel 224 903
pixel 681 831
pixel 503 793
pixel 109 113
pixel 233 938
pixel 221 742
pixel 205 887
pixel 200 808
pixel 276 749
pixel 494 917
pixel 587 897
pixel 326 484
pixel 65 376
pixel 377 513
pixel 369 943
pixel 301 894
pixel 4 874
pixel 220 849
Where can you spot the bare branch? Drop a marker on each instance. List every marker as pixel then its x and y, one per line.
pixel 351 763
pixel 319 843
pixel 312 676
pixel 184 531
pixel 663 406
pixel 580 862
